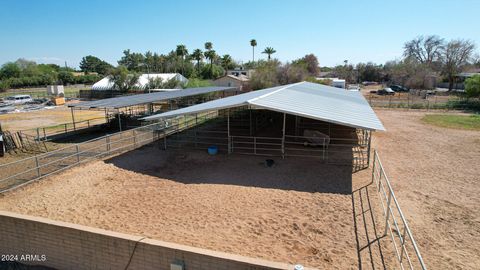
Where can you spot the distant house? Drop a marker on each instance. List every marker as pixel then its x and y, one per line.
pixel 239 81
pixel 107 84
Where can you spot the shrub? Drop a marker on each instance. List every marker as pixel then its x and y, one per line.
pixel 195 82
pixel 4 86
pixel 472 86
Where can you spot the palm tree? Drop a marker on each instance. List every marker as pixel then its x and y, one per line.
pixel 210 55
pixel 227 61
pixel 253 43
pixel 198 56
pixel 269 51
pixel 208 46
pixel 182 52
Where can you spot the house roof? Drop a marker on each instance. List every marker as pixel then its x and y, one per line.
pixel 304 99
pixel 107 84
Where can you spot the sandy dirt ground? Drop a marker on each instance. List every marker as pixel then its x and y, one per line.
pixel 298 211
pixel 435 173
pixel 44 118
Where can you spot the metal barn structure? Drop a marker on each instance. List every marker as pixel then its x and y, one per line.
pixel 301 119
pixel 126 109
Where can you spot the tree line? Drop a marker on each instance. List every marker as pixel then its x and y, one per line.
pixel 423 57
pixel 203 63
pixel 25 73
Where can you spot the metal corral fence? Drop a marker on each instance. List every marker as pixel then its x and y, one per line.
pixel 22 172
pixel 422 100
pixel 71 91
pixel 44 133
pixel 345 146
pixel 405 247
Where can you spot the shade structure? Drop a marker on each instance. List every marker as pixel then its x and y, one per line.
pixel 132 100
pixel 310 100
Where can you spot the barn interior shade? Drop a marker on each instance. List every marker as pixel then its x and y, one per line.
pixel 310 100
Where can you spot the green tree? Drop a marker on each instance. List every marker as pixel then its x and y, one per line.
pixel 4 86
pixel 265 75
pixel 227 62
pixel 212 71
pixel 91 63
pixel 310 63
pixel 10 70
pixel 211 55
pixel 132 61
pixel 253 43
pixel 197 55
pixel 208 46
pixel 159 83
pixel 369 72
pixel 66 77
pixel 472 86
pixel 269 51
pixel 122 79
pixel 182 51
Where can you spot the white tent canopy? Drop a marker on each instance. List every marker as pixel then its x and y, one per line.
pixel 107 84
pixel 304 99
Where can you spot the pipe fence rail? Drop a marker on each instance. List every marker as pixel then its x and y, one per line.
pixel 422 101
pixel 405 247
pixel 19 173
pixel 44 133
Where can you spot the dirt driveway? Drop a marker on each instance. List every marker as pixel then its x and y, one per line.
pixel 435 173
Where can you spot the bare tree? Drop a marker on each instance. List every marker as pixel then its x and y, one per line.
pixel 425 49
pixel 455 55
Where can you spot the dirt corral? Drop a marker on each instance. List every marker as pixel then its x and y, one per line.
pixel 298 211
pixel 44 118
pixel 435 173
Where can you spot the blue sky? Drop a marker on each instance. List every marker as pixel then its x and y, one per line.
pixel 56 31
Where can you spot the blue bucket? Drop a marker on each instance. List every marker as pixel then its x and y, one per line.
pixel 212 150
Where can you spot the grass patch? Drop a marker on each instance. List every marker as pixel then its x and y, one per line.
pixel 470 122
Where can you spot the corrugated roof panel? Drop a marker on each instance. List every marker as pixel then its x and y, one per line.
pixel 126 101
pixel 337 106
pixel 305 99
pixel 228 102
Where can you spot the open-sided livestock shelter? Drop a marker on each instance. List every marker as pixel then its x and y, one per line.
pixel 301 119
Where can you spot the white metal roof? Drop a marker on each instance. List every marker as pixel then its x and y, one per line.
pixel 132 100
pixel 305 99
pixel 107 84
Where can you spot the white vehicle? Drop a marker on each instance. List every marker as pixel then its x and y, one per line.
pixel 18 99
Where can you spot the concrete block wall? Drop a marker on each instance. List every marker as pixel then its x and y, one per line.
pixel 70 246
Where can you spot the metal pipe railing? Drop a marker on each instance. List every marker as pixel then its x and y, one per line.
pixel 136 140
pixel 391 206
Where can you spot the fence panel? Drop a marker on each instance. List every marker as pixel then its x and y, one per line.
pixel 19 173
pixel 405 247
